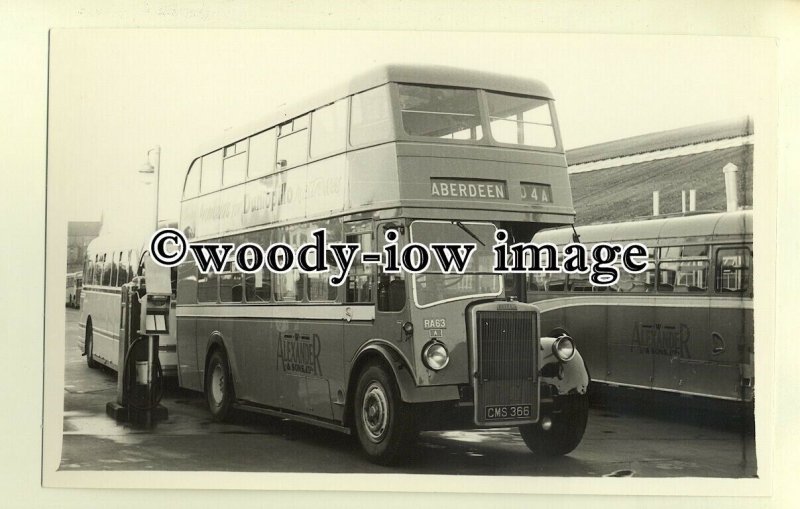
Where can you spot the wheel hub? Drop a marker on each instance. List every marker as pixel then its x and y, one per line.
pixel 375 412
pixel 218 385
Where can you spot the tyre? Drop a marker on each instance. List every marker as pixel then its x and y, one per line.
pixel 219 386
pixel 88 347
pixel 568 424
pixel 384 423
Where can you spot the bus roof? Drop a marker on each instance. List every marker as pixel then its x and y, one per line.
pixel 437 75
pixel 659 230
pixel 447 76
pixel 117 242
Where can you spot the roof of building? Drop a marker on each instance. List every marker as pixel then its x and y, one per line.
pixel 692 135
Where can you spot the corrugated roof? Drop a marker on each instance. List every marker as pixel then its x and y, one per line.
pixel 701 133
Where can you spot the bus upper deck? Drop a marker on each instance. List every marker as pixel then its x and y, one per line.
pixel 402 136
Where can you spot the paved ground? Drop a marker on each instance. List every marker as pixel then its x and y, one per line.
pixel 670 442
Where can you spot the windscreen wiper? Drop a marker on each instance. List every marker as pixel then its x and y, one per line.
pixel 469 232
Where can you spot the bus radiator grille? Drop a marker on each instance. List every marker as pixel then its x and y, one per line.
pixel 507 360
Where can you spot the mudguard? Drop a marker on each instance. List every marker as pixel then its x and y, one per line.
pixel 573 378
pixel 409 391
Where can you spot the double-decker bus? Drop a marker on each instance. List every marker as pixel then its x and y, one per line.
pixel 435 155
pixel 684 325
pixel 110 262
pixel 74 283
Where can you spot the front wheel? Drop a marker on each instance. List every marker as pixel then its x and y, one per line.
pixel 568 424
pixel 384 423
pixel 219 386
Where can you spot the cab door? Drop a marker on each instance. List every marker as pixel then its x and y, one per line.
pixel 393 292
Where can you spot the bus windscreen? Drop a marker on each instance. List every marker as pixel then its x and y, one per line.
pixel 433 287
pixel 440 112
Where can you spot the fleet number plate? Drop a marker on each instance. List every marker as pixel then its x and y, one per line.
pixel 500 412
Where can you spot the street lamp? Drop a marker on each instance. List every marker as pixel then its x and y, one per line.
pixel 148 168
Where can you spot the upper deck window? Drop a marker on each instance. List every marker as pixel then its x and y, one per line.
pixel 212 172
pixel 192 187
pixel 520 120
pixel 293 143
pixel 328 129
pixel 440 112
pixel 262 154
pixel 371 117
pixel 234 163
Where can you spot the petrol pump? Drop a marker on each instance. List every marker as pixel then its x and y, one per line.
pixel 145 315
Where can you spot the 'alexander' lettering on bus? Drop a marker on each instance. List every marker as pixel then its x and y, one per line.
pixel 299 353
pixel 661 339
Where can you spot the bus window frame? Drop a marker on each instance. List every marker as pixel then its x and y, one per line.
pixel 483 108
pixel 279 136
pixel 748 291
pixel 553 117
pixel 344 103
pixel 218 187
pixel 394 121
pixel 243 154
pixel 208 276
pixel 400 130
pixel 229 270
pixel 272 166
pixel 680 259
pixel 199 161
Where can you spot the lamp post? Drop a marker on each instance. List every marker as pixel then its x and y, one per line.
pixel 148 168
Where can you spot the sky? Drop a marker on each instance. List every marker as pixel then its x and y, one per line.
pixel 116 94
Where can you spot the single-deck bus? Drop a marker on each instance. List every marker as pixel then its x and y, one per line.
pixel 437 155
pixel 74 283
pixel 685 325
pixel 111 261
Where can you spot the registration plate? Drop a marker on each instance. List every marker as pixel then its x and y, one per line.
pixel 507 412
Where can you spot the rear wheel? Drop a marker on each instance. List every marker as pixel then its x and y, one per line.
pixel 568 424
pixel 88 347
pixel 219 386
pixel 384 423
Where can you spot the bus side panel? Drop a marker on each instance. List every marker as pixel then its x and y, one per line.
pixel 289 364
pixel 631 329
pixel 308 359
pixel 681 345
pixel 731 331
pixel 204 331
pixel 189 364
pixel 372 176
pixel 587 326
pixel 105 312
pixel 256 376
pixel 189 368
